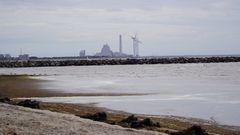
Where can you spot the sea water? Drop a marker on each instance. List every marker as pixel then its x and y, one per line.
pixel 207 91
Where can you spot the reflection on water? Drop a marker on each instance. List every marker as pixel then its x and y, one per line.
pixel 192 90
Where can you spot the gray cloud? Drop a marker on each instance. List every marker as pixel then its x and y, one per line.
pixel 167 27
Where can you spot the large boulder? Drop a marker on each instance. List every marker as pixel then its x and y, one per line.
pixel 5 99
pixel 29 103
pixel 194 130
pixel 149 123
pixel 100 116
pixel 133 122
pixel 130 119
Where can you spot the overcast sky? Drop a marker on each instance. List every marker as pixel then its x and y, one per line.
pixel 166 27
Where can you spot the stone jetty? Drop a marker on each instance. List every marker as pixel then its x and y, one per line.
pixel 130 61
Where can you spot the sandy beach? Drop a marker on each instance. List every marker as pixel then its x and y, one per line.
pixel 24 121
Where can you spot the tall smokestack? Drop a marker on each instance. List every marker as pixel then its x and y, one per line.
pixel 120 43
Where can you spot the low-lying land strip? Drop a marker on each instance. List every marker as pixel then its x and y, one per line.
pixel 46 63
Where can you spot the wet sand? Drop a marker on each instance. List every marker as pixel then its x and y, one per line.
pixel 19 86
pixel 23 86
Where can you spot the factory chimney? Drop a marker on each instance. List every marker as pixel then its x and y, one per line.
pixel 120 44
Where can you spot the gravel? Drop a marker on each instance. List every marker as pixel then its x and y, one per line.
pixel 16 120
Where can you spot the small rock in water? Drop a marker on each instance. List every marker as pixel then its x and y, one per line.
pixel 29 103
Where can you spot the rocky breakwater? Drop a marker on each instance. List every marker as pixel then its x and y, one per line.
pixel 46 63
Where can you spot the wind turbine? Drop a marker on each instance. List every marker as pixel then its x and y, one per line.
pixel 136 43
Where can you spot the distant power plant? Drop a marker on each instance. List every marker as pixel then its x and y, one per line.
pixel 107 52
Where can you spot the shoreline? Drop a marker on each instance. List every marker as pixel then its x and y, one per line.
pixel 168 123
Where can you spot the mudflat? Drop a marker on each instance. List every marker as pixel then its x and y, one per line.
pixel 23 86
